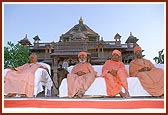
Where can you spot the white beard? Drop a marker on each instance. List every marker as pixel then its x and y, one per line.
pixel 82 61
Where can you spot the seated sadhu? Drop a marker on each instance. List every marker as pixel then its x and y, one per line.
pixel 115 75
pixel 151 78
pixel 20 80
pixel 81 77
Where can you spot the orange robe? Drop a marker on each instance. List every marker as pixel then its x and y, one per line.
pixel 22 80
pixel 79 84
pixel 114 83
pixel 153 80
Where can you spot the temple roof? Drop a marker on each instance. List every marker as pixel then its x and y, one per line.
pixel 117 36
pixel 131 39
pixel 79 34
pixel 25 41
pixel 82 27
pixel 36 38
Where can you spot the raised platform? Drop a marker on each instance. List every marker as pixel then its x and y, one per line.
pixel 94 104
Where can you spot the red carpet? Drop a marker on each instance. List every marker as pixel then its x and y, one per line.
pixel 87 103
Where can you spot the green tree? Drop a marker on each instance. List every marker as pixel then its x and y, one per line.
pixel 160 58
pixel 15 55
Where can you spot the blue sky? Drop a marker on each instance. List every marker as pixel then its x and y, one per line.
pixel 146 21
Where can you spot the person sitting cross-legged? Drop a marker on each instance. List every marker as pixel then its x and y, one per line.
pixel 81 77
pixel 20 80
pixel 115 75
pixel 151 78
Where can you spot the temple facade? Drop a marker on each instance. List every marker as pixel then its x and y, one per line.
pixel 80 38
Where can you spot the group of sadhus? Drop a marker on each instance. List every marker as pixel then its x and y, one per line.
pixel 115 75
pixel 83 75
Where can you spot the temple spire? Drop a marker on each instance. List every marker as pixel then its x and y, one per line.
pixel 26 36
pixel 81 20
pixel 130 33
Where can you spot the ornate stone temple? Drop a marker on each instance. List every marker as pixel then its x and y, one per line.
pixel 81 38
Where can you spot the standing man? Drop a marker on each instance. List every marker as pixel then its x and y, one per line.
pixel 81 77
pixel 115 75
pixel 151 78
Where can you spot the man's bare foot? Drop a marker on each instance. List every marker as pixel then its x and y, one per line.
pixel 162 96
pixel 23 95
pixel 11 95
pixel 127 94
pixel 124 95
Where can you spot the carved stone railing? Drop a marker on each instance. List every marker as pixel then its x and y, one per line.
pixel 70 46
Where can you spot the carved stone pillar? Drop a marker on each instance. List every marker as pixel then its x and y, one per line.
pixel 102 53
pixel 55 77
pixel 98 50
